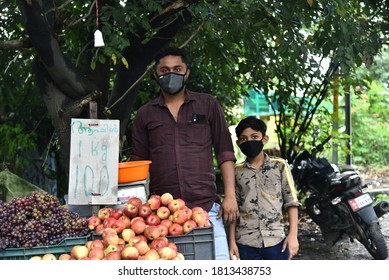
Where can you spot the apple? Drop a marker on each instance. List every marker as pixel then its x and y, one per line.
pixel 130 210
pixel 126 220
pixel 116 213
pixel 135 201
pixel 152 254
pixel 179 257
pixel 154 201
pixel 159 243
pixel 165 253
pixel 205 223
pixel 49 257
pixel 172 245
pixel 64 257
pixel 136 239
pixel 181 202
pixel 153 220
pixel 113 255
pixel 96 252
pixel 198 214
pixel 110 239
pixel 151 232
pixel 79 251
pixel 97 243
pixel 142 247
pixel 88 244
pixel 174 205
pixel 35 258
pixel 93 222
pixel 188 226
pixel 166 222
pixel 104 213
pixel 163 230
pixel 175 229
pixel 144 210
pixel 127 234
pixel 129 253
pixel 166 198
pixel 180 216
pixel 119 226
pixel 108 222
pixel 188 211
pixel 138 226
pixel 111 248
pixel 107 231
pixel 99 229
pixel 163 212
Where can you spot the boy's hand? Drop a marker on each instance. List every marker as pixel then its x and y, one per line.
pixel 292 243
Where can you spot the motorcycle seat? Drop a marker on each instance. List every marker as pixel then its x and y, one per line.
pixel 347 176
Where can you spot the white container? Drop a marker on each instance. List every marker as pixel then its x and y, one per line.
pixel 126 191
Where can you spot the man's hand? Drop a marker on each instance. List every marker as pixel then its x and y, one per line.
pixel 229 210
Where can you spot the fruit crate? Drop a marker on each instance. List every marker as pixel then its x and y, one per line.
pixel 62 247
pixel 198 244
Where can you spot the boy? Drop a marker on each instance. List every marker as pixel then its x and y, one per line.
pixel 264 189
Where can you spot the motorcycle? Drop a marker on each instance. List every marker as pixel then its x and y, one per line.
pixel 338 203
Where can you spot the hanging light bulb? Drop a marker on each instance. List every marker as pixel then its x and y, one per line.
pixel 99 42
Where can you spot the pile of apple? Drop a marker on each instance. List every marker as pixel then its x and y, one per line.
pixel 139 231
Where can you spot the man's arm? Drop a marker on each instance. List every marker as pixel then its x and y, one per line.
pixel 229 208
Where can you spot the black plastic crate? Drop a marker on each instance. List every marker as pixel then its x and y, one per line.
pixel 64 246
pixel 198 244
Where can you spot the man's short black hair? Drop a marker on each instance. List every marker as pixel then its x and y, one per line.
pixel 253 123
pixel 171 51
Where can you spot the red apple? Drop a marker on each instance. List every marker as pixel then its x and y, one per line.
pixel 180 216
pixel 179 257
pixel 166 198
pixel 135 201
pixel 111 248
pixel 99 229
pixel 151 232
pixel 129 253
pixel 116 213
pixel 144 210
pixel 49 257
pixel 64 257
pixel 119 226
pixel 110 239
pixel 96 252
pixel 142 247
pixel 130 210
pixel 113 255
pixel 159 243
pixel 93 222
pixel 152 254
pixel 163 230
pixel 138 226
pixel 205 223
pixel 165 253
pixel 163 212
pixel 127 234
pixel 154 202
pixel 104 213
pixel 188 226
pixel 198 214
pixel 181 202
pixel 174 205
pixel 97 243
pixel 175 229
pixel 107 231
pixel 136 239
pixel 166 222
pixel 153 220
pixel 188 211
pixel 126 220
pixel 79 251
pixel 108 222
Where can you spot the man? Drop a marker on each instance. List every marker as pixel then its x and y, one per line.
pixel 178 132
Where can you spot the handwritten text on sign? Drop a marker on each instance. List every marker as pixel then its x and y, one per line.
pixel 94 157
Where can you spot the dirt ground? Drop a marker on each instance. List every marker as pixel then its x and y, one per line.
pixel 312 245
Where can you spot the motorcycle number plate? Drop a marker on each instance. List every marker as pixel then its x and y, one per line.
pixel 360 202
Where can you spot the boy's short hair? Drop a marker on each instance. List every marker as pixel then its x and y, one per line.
pixel 253 123
pixel 171 51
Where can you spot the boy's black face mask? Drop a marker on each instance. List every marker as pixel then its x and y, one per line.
pixel 171 83
pixel 251 148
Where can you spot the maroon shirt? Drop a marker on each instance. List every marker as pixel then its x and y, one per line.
pixel 181 152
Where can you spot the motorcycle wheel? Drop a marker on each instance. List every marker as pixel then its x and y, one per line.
pixel 374 242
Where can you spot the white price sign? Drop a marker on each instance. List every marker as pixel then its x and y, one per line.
pixel 94 157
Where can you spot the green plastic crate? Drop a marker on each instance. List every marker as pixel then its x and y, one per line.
pixel 198 244
pixel 64 246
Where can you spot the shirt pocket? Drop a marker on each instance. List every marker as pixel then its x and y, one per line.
pixel 199 134
pixel 156 131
